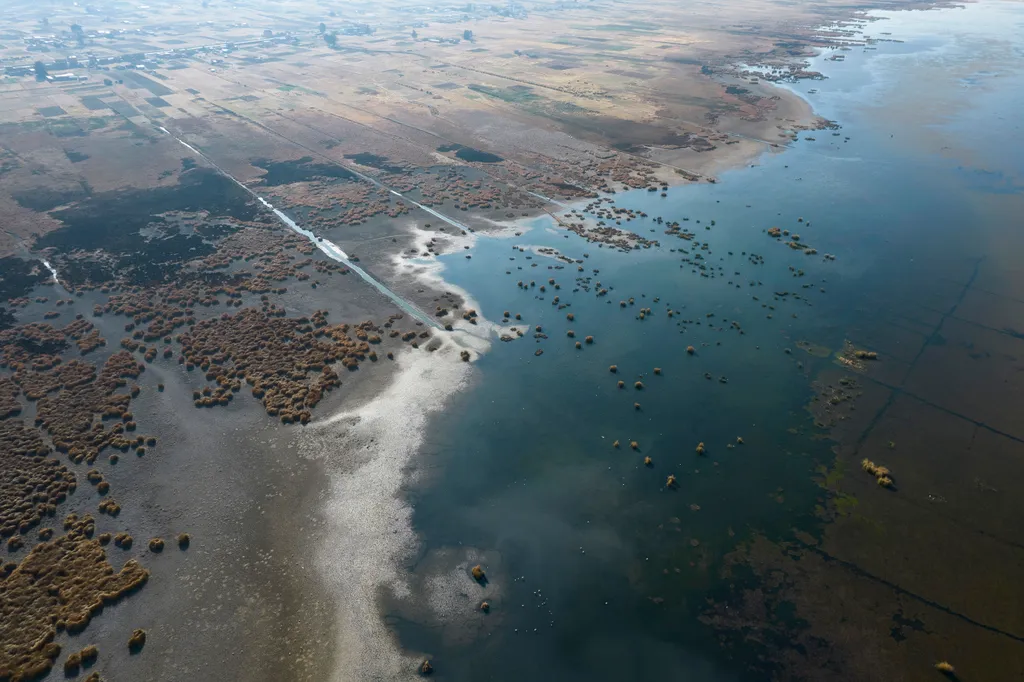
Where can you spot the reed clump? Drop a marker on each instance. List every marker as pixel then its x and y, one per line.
pixel 137 641
pixel 72 664
pixel 882 474
pixel 89 654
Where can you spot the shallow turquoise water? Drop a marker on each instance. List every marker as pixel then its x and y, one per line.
pixel 602 570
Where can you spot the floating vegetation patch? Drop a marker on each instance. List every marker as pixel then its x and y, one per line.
pixel 856 358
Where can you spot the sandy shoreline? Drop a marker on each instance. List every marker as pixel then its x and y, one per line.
pixel 367 450
pixel 367 453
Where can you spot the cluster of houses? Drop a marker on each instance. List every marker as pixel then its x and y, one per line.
pixel 58 70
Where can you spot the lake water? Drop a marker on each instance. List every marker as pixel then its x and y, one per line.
pixel 597 570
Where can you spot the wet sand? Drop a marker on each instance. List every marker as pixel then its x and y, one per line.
pixel 367 454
